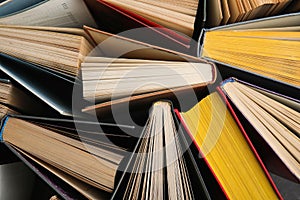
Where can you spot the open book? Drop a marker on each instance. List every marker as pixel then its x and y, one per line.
pixel 106 79
pixel 267 47
pixel 161 166
pixel 57 54
pixel 102 14
pixel 275 119
pixel 227 150
pixel 220 150
pixel 90 156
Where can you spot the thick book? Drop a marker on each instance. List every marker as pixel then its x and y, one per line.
pixel 93 157
pixel 273 120
pixel 76 13
pixel 138 57
pixel 253 46
pixel 44 73
pixel 63 49
pixel 145 100
pixel 105 79
pixel 225 147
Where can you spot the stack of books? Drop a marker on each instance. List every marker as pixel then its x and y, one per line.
pixel 163 99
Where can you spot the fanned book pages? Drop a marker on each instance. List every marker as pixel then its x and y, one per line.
pixel 89 156
pixel 227 150
pixel 58 13
pixel 270 52
pixel 108 78
pixel 176 15
pixel 222 12
pixel 275 118
pixel 59 49
pixel 159 168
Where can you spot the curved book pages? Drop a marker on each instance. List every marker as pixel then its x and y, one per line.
pixel 113 82
pixel 56 59
pixel 253 46
pixel 65 185
pixel 108 78
pixel 91 157
pixel 54 48
pixel 161 166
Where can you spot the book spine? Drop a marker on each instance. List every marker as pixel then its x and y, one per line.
pixel 3 123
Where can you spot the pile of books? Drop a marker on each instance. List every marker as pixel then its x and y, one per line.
pixel 162 99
